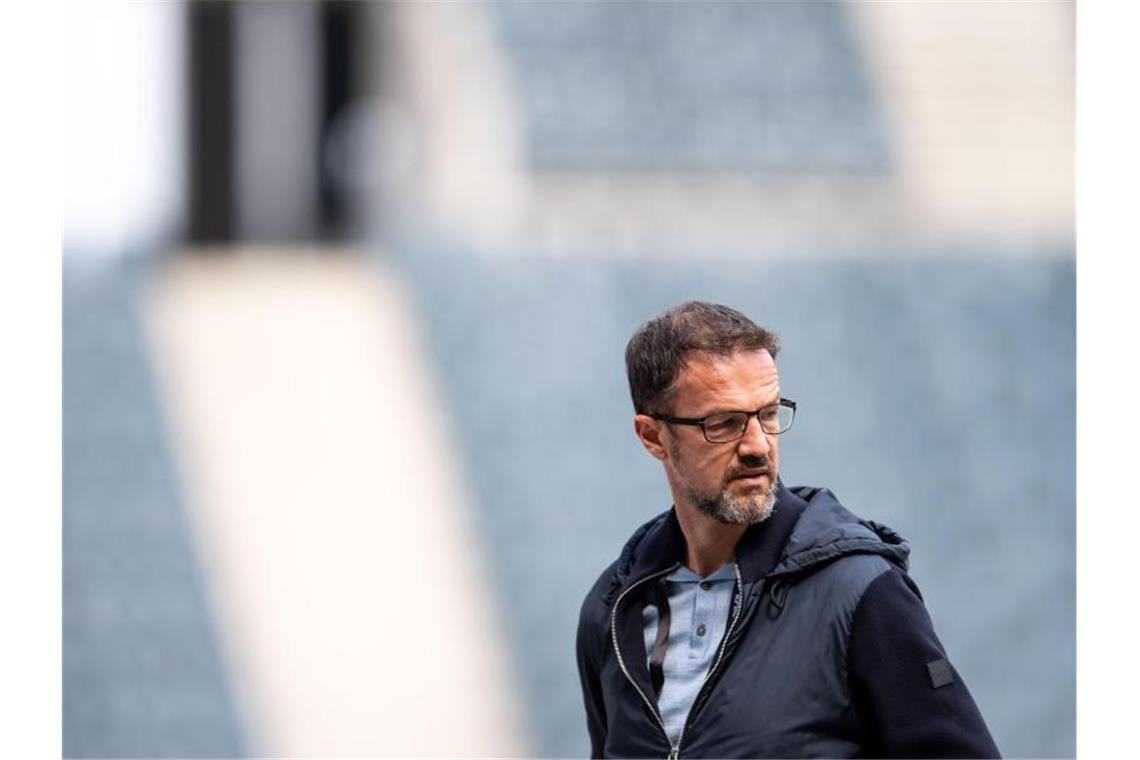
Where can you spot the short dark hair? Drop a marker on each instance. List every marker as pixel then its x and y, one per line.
pixel 659 349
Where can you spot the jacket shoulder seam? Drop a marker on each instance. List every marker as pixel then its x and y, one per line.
pixel 846 659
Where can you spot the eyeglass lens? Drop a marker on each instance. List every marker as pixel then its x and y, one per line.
pixel 722 428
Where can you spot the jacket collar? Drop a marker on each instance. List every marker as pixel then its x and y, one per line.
pixel 660 543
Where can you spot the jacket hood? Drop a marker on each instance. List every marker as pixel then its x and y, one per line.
pixel 807 529
pixel 827 530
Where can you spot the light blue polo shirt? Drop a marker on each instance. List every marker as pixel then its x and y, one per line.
pixel 698 609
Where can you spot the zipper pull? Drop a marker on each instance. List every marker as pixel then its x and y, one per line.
pixel 675 753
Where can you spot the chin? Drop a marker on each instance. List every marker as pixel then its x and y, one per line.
pixel 748 510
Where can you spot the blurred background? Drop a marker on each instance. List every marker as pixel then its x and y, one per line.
pixel 347 287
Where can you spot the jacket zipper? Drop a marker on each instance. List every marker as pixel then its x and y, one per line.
pixel 737 600
pixel 675 749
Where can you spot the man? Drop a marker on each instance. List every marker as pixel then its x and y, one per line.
pixel 754 620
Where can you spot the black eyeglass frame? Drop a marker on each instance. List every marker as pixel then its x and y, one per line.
pixel 700 421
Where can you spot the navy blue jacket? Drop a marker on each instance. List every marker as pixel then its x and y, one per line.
pixel 829 650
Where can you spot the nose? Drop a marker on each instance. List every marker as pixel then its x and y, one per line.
pixel 755 441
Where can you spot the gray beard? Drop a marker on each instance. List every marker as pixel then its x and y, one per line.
pixel 730 510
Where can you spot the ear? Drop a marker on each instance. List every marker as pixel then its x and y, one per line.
pixel 649 433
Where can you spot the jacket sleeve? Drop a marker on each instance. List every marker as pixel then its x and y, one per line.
pixel 909 699
pixel 589 668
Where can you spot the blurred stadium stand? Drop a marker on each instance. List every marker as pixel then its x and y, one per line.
pixel 543 177
pixel 142 674
pixel 936 395
pixel 730 87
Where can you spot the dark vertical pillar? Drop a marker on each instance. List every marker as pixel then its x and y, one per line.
pixel 210 112
pixel 341 22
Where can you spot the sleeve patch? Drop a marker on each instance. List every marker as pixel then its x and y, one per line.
pixel 940 673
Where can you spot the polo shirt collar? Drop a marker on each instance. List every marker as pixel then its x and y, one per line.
pixel 757 552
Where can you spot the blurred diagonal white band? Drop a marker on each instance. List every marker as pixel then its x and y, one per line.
pixel 323 489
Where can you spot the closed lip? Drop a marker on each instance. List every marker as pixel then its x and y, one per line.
pixel 751 475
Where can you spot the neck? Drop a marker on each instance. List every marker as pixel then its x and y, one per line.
pixel 708 544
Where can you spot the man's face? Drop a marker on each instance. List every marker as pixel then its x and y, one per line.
pixel 733 483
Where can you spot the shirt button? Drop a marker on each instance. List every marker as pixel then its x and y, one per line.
pixel 706 585
pixel 701 629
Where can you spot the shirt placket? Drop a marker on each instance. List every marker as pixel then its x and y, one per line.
pixel 704 611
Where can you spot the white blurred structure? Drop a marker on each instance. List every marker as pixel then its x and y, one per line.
pixel 982 102
pixel 354 605
pixel 123 134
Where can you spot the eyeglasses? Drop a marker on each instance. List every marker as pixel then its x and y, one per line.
pixel 725 427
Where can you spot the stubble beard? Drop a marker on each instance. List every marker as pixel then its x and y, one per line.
pixel 724 507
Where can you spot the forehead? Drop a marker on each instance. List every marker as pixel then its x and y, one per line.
pixel 743 380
